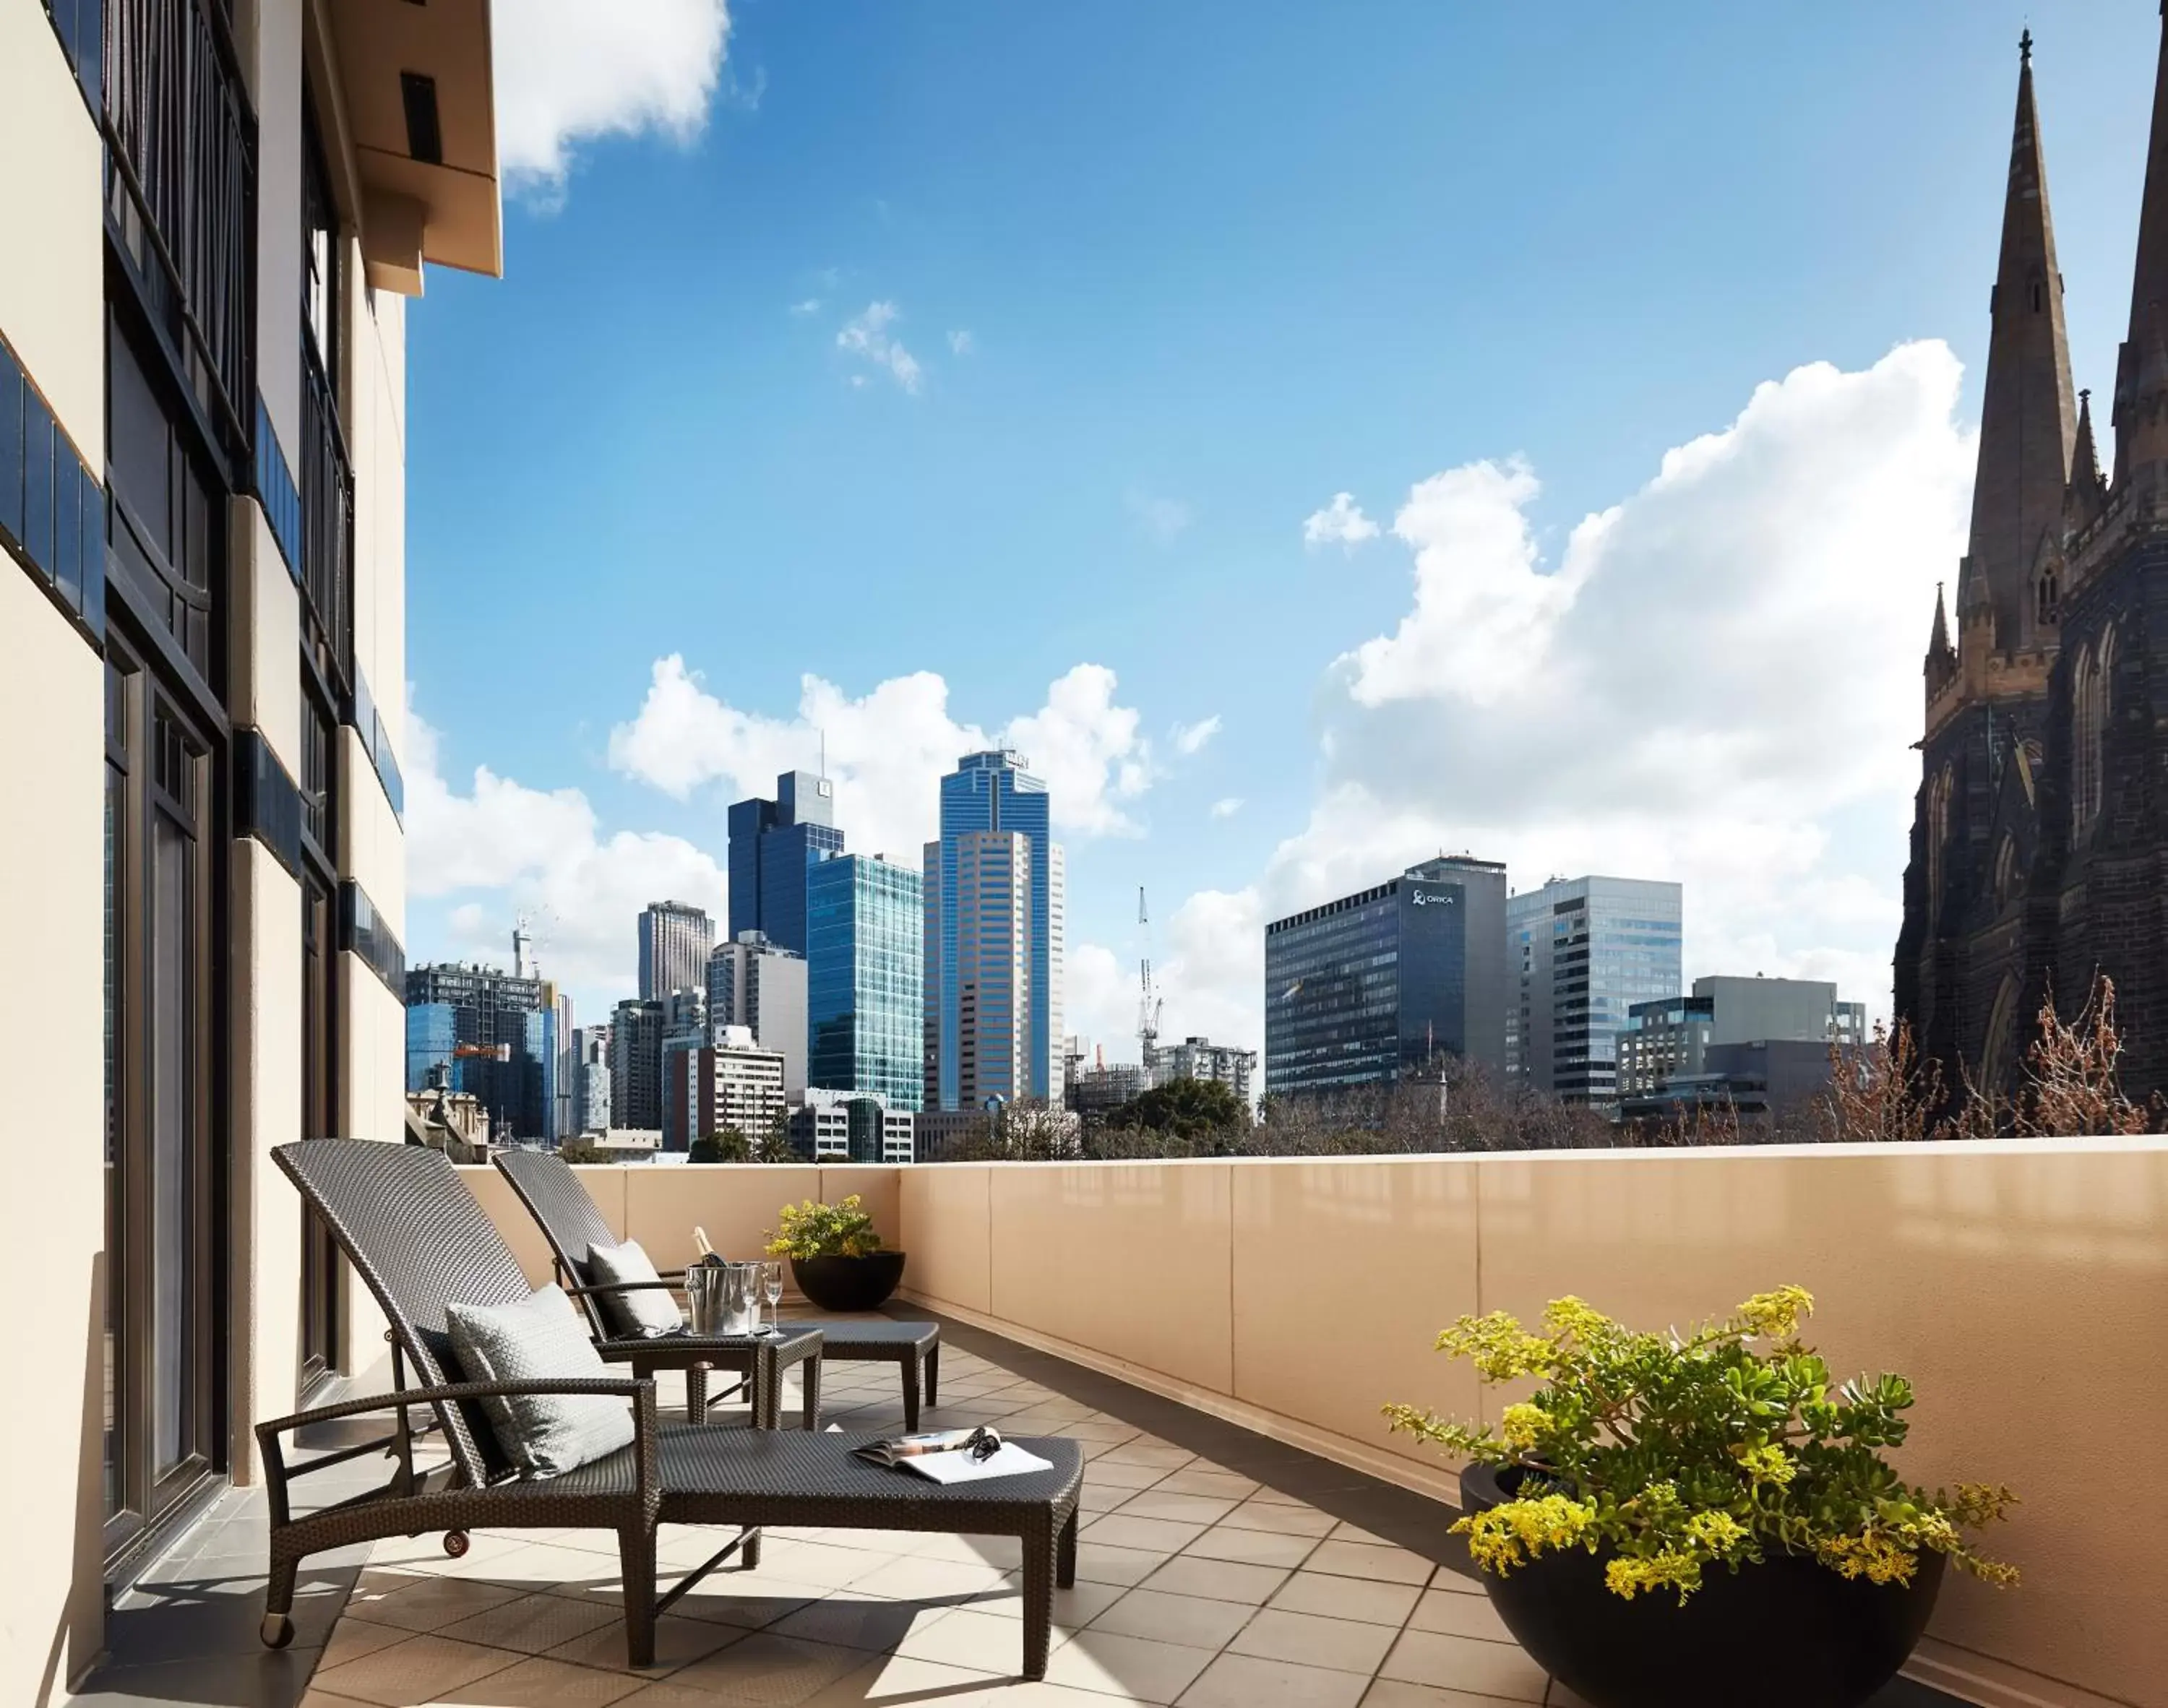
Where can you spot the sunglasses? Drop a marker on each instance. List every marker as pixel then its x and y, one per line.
pixel 982 1443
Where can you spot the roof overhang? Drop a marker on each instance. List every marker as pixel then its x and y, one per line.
pixel 420 109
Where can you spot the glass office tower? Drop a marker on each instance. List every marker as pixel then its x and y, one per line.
pixel 1365 989
pixel 863 996
pixel 773 845
pixel 1584 951
pixel 993 790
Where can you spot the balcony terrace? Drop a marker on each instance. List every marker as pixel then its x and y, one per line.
pixel 1219 1336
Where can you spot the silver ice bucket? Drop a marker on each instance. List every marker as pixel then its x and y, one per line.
pixel 707 1293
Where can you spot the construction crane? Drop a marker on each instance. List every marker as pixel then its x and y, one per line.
pixel 1149 1003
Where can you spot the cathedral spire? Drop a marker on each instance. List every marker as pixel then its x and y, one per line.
pixel 2026 425
pixel 1942 661
pixel 2141 369
pixel 2087 496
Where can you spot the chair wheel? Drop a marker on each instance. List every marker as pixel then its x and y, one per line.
pixel 456 1544
pixel 278 1630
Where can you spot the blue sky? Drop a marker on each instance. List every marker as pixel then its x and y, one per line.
pixel 988 343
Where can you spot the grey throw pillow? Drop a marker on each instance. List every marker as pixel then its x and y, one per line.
pixel 646 1312
pixel 542 1434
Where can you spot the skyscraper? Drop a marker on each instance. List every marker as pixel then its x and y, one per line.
pixel 993 985
pixel 1361 990
pixel 866 922
pixel 675 937
pixel 992 792
pixel 636 1063
pixel 493 1034
pixel 773 844
pixel 761 986
pixel 1581 952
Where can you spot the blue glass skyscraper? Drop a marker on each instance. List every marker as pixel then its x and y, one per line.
pixel 993 790
pixel 773 845
pixel 864 922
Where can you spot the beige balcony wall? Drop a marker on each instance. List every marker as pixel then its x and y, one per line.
pixel 52 286
pixel 736 1206
pixel 52 1262
pixel 2022 1286
pixel 372 842
pixel 376 445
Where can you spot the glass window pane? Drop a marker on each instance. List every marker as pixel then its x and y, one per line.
pixel 172 1095
pixel 37 481
pixel 11 445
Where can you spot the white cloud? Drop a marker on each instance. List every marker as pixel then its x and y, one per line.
pixel 1190 738
pixel 868 337
pixel 1716 682
pixel 1099 1000
pixel 1341 522
pixel 511 849
pixel 887 749
pixel 809 305
pixel 1164 519
pixel 961 343
pixel 1227 807
pixel 569 71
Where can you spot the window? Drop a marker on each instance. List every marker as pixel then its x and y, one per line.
pixel 1938 834
pixel 2049 596
pixel 2091 700
pixel 167 526
pixel 160 1390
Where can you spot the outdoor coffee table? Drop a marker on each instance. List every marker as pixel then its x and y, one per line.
pixel 764 1357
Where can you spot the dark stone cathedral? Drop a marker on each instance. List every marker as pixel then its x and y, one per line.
pixel 2039 849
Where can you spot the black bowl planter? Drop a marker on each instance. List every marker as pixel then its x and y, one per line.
pixel 848 1283
pixel 1788 1633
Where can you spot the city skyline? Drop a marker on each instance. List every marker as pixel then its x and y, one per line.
pixel 1360 698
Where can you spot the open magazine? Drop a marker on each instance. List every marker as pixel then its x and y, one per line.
pixel 953 1456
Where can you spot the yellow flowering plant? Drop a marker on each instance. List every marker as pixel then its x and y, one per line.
pixel 1677 1452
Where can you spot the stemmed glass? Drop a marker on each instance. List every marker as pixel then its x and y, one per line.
pixel 771 1283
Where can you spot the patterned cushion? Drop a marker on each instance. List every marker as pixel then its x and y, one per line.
pixel 647 1312
pixel 542 1434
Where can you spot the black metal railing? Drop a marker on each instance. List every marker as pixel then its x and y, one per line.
pixel 326 519
pixel 181 190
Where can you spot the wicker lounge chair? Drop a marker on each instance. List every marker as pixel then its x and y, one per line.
pixel 420 1241
pixel 569 1220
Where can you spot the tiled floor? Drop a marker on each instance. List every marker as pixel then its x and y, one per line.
pixel 1239 1577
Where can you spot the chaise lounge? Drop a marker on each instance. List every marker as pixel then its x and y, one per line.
pixel 570 1221
pixel 422 1243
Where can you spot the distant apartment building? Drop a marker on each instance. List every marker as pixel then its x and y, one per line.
pixel 675 938
pixel 1672 1036
pixel 1583 951
pixel 1104 1085
pixel 1366 989
pixel 865 929
pixel 756 983
pixel 562 1116
pixel 990 797
pixel 636 1063
pixel 851 1126
pixel 491 1034
pixel 773 845
pixel 591 1080
pixel 731 1083
pixel 1200 1059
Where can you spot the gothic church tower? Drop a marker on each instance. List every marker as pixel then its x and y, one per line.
pixel 1964 951
pixel 2040 834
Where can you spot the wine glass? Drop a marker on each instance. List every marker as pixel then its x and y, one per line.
pixel 771 1283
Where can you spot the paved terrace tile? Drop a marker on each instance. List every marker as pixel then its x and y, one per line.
pixel 1216 1569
